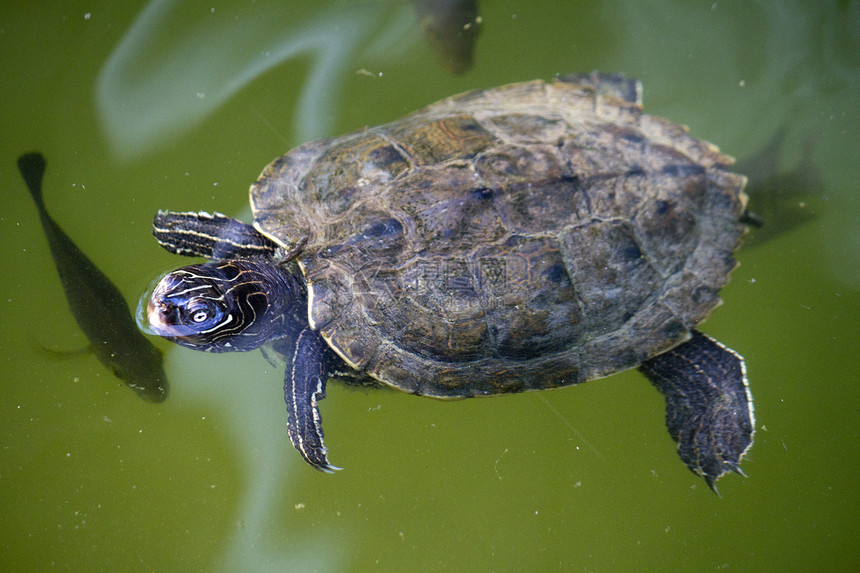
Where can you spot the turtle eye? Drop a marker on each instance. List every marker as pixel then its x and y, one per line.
pixel 200 316
pixel 202 313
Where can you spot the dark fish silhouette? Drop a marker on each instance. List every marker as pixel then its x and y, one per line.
pixel 97 305
pixel 450 26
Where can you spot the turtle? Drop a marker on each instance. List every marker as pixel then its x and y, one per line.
pixel 525 237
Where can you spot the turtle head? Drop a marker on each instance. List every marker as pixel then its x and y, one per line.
pixel 220 307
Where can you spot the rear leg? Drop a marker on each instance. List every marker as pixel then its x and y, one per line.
pixel 709 409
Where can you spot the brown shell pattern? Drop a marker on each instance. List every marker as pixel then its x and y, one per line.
pixel 529 236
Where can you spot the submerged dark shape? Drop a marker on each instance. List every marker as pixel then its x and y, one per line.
pixel 781 199
pixel 97 305
pixel 524 237
pixel 450 27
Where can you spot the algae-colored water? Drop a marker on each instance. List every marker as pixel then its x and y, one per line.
pixel 180 105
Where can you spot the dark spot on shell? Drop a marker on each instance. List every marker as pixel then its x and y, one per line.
pixel 661 207
pixel 379 235
pixel 482 193
pixel 514 241
pixel 386 227
pixel 356 351
pixel 631 252
pixel 688 170
pixel 674 330
pixel 448 233
pixel 557 274
pixel 470 125
pixel 386 157
pixel 331 250
pixel 704 295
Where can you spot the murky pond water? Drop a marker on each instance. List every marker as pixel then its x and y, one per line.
pixel 180 105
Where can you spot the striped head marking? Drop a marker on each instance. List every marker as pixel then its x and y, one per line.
pixel 216 307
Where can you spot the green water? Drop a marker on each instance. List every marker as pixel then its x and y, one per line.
pixel 180 106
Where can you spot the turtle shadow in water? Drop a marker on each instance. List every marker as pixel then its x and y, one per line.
pixel 781 199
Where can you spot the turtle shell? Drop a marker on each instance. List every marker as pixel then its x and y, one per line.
pixel 523 237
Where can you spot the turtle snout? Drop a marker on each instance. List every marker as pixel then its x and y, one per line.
pixel 147 311
pixel 160 317
pixel 156 314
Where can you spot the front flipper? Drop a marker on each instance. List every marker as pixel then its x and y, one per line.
pixel 308 369
pixel 709 410
pixel 209 235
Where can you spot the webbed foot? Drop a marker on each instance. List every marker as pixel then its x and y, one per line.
pixel 709 410
pixel 304 387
